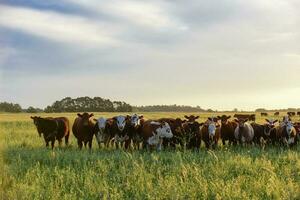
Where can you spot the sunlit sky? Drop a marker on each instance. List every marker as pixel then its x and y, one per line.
pixel 216 54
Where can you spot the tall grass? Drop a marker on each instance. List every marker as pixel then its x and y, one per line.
pixel 30 171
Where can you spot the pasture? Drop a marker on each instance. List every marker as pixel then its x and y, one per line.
pixel 30 171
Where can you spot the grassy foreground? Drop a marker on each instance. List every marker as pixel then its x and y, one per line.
pixel 30 171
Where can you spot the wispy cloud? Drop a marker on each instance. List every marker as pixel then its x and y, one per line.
pixel 146 14
pixel 56 26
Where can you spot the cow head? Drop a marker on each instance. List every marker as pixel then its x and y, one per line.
pixel 85 117
pixel 176 125
pixel 164 130
pixel 297 127
pixel 192 129
pixel 212 124
pixel 135 120
pixel 101 124
pixel 289 126
pixel 37 123
pixel 121 122
pixel 241 122
pixel 224 119
pixel 191 118
pixel 269 126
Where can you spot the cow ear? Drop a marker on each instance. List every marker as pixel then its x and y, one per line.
pixel 32 117
pixel 275 121
pixel 95 120
pixel 219 117
pixel 92 114
pixel 79 115
pixel 210 119
pixel 229 117
pixel 141 117
pixel 201 124
pixel 267 120
pixel 246 120
pixel 236 120
pixel 197 117
pixel 186 117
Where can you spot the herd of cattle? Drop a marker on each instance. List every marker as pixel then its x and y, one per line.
pixel 137 132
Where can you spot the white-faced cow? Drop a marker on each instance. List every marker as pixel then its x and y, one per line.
pixel 134 131
pixel 244 132
pixel 120 129
pixel 103 131
pixel 154 132
pixel 287 134
pixel 210 133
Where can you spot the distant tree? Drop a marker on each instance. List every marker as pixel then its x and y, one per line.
pixel 261 110
pixel 167 108
pixel 31 109
pixel 87 104
pixel 10 107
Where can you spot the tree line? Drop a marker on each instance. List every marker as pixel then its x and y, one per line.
pixel 98 104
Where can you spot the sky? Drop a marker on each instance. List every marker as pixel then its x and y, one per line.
pixel 216 54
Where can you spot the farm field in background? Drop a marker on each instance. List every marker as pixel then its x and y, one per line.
pixel 30 171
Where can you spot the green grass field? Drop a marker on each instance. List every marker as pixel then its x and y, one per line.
pixel 30 171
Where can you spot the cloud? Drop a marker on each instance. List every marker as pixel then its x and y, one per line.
pixel 209 53
pixel 151 15
pixel 56 26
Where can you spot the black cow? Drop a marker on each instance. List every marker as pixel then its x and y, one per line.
pixel 53 129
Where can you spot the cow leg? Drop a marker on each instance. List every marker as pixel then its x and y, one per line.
pixel 79 144
pixel 90 143
pixel 67 139
pixel 207 145
pixel 52 144
pixel 47 143
pixel 127 144
pixel 85 143
pixel 223 141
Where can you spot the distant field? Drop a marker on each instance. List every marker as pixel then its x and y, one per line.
pixel 30 171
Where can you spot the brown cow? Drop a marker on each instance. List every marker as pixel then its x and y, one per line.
pixel 191 118
pixel 298 113
pixel 266 133
pixel 177 130
pixel 83 130
pixel 193 135
pixel 53 129
pixel 210 133
pixel 153 133
pixel 264 114
pixel 291 114
pixel 276 114
pixel 227 129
